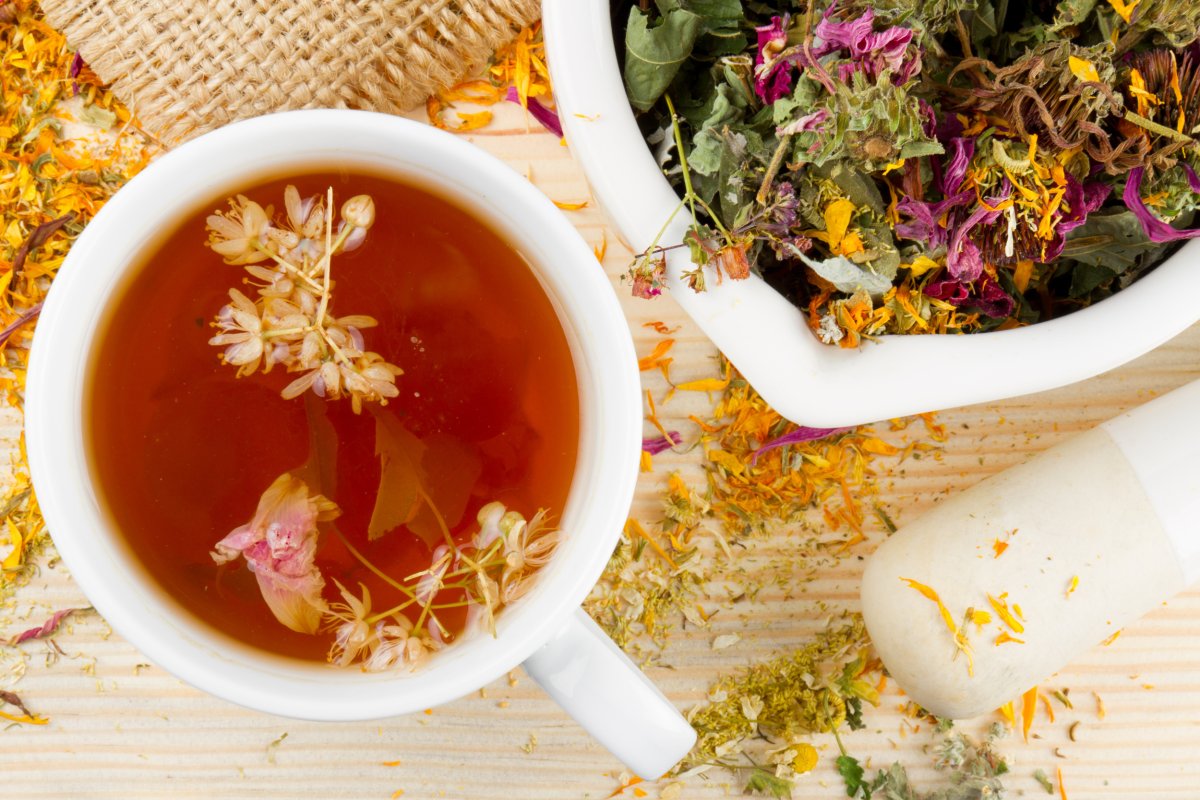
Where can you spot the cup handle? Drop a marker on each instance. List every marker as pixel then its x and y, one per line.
pixel 605 692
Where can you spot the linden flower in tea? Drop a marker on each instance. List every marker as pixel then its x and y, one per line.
pixel 290 324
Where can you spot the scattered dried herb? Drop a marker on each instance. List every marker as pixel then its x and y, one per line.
pixel 517 73
pixel 764 470
pixel 974 770
pixel 66 144
pixel 789 697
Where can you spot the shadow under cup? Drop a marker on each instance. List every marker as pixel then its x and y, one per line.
pixel 97 271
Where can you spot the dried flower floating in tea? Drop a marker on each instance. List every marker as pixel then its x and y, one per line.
pixel 291 323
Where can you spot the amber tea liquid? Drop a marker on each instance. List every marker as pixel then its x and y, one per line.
pixel 181 449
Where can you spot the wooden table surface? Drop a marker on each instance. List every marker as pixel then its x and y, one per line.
pixel 122 728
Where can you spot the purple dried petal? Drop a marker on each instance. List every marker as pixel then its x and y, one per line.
pixel 657 444
pixel 1155 228
pixel 963 259
pixel 548 119
pixel 73 73
pixel 870 51
pixel 1193 178
pixel 926 224
pixel 950 290
pixel 1080 200
pixel 843 35
pixel 800 434
pixel 962 150
pixel 992 300
pixel 889 44
pixel 987 295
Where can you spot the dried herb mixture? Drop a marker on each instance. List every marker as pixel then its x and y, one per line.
pixel 920 167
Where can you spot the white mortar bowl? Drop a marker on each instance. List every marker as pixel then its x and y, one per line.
pixel 768 339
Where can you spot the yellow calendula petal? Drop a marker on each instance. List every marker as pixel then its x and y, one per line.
pixel 1000 606
pixel 473 122
pixel 837 220
pixel 13 559
pixel 920 265
pixel 727 461
pixel 1083 69
pixel 1028 711
pixel 704 385
pixel 1123 9
pixel 879 447
pixel 651 361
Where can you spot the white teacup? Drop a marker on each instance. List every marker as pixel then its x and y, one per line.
pixel 560 647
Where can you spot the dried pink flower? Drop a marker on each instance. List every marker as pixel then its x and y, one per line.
pixel 772 77
pixel 279 545
pixel 870 52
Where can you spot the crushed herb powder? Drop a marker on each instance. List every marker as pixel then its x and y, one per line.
pixel 792 695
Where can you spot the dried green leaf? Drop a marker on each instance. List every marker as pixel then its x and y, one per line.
pixel 654 52
pixel 763 782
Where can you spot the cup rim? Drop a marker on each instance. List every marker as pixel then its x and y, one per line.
pixel 602 349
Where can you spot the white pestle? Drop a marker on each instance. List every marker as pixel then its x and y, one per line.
pixel 1117 508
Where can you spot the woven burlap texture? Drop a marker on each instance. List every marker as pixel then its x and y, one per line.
pixel 187 66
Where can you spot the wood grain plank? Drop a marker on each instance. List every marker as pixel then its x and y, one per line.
pixel 123 730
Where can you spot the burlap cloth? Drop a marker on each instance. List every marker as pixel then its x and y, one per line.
pixel 187 66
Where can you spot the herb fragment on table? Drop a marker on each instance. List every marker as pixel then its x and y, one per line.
pixel 273 747
pixel 1028 711
pixel 789 697
pixel 1043 780
pixel 66 145
pixel 517 73
pixel 921 168
pixel 47 628
pixel 754 486
pixel 974 770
